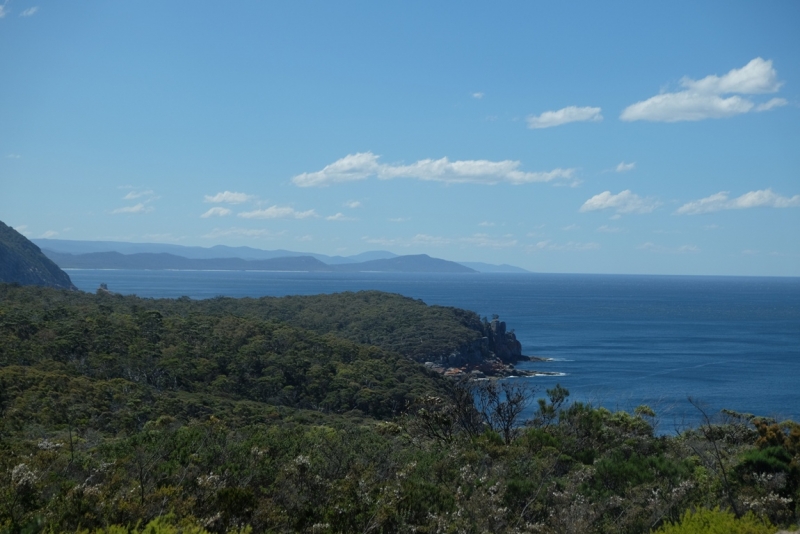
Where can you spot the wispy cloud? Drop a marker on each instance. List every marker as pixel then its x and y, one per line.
pixel 216 211
pixel 683 249
pixel 548 119
pixel 763 198
pixel 706 98
pixel 571 227
pixel 254 233
pixel 339 217
pixel 29 12
pixel 606 229
pixel 13 156
pixel 352 204
pixel 137 209
pixel 487 241
pixel 363 165
pixel 417 240
pixel 625 167
pixel 137 194
pixel 399 219
pixel 623 202
pixel 3 10
pixel 278 212
pixel 48 234
pixel 228 197
pixel 478 95
pixel 568 246
pixel 486 223
pixel 426 240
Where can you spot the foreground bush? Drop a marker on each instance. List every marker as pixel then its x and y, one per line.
pixel 704 521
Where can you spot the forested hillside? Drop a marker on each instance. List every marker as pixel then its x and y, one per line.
pixel 23 263
pixel 270 415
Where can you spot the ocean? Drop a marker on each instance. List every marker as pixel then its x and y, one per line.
pixel 616 340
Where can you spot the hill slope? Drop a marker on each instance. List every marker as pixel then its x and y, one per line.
pixel 22 262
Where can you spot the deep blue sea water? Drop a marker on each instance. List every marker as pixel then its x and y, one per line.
pixel 620 340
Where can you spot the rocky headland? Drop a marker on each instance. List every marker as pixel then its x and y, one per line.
pixel 490 356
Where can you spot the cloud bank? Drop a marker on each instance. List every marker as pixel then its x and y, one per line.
pixel 763 198
pixel 548 119
pixel 706 98
pixel 623 202
pixel 362 165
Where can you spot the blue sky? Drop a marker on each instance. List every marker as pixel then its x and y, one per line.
pixel 585 137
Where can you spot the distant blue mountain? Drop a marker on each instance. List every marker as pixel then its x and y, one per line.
pixel 93 254
pixel 66 246
pixel 421 263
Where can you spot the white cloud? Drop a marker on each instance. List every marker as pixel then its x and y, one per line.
pixel 48 234
pixel 136 194
pixel 3 11
pixel 216 211
pixel 703 99
pixel 305 238
pixel 684 249
pixel 477 95
pixel 571 227
pixel 548 119
pixel 569 246
pixel 352 204
pixel 757 77
pixel 339 217
pixel 21 228
pixel 138 208
pixel 29 12
pixel 486 223
pixel 772 103
pixel 362 165
pixel 623 202
pixel 278 212
pixel 13 156
pixel 228 197
pixel 625 167
pixel 399 219
pixel 763 198
pixel 242 232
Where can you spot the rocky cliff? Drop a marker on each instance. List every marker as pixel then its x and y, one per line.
pixel 497 344
pixel 23 263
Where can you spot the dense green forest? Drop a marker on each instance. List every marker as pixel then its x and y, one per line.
pixel 311 414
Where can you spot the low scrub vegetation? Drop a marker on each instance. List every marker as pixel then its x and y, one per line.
pixel 120 414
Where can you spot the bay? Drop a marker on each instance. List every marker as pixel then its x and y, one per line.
pixel 619 340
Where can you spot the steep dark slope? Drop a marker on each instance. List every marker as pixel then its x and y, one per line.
pixel 22 262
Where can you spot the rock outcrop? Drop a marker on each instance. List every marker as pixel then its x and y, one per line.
pixel 491 355
pixel 502 343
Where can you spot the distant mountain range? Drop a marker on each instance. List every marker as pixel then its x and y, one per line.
pixel 421 263
pixel 69 254
pixel 199 253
